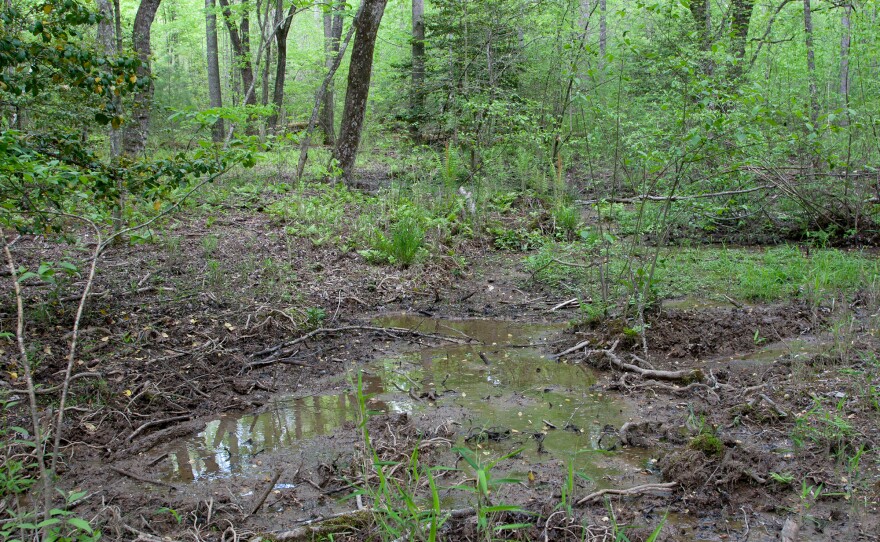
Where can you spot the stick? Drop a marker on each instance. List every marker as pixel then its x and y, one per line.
pixel 574 348
pixel 265 494
pixel 563 304
pixel 134 476
pixel 637 490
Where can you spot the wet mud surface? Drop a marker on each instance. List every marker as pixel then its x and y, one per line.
pixel 188 416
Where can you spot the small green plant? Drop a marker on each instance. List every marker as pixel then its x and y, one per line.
pixel 483 485
pixel 708 444
pixel 407 237
pixel 210 244
pixel 566 221
pixel 315 316
pixel 174 513
pixel 784 478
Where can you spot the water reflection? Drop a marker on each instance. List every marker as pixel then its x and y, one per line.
pixel 547 407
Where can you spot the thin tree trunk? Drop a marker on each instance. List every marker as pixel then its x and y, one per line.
pixel 215 92
pixel 282 29
pixel 108 42
pixel 241 47
pixel 134 139
pixel 332 34
pixel 811 64
pixel 360 71
pixel 117 20
pixel 418 60
pixel 328 79
pixel 603 34
pixel 844 55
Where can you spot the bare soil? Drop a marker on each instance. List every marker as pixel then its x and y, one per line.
pixel 173 330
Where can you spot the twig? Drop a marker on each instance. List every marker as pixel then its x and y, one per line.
pixel 637 490
pixel 265 494
pixel 134 476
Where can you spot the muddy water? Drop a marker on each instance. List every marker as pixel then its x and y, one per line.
pixel 500 391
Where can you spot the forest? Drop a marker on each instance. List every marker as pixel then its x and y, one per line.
pixel 428 270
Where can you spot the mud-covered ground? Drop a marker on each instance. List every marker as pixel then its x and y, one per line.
pixel 775 418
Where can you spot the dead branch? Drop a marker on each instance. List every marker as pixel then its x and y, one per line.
pixel 637 490
pixel 266 492
pixel 574 348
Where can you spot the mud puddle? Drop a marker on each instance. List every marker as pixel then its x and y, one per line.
pixel 500 392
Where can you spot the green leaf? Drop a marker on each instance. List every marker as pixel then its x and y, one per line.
pixel 81 524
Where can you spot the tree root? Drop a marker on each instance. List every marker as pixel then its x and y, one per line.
pixel 690 375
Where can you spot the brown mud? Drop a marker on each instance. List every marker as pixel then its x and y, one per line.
pixel 187 420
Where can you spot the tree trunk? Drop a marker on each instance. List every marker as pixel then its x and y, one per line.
pixel 359 72
pixel 741 17
pixel 844 54
pixel 134 139
pixel 603 34
pixel 811 64
pixel 418 60
pixel 215 93
pixel 240 39
pixel 107 39
pixel 283 28
pixel 332 34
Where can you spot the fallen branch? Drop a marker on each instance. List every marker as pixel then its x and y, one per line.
pixel 574 348
pixel 684 375
pixel 563 304
pixel 637 490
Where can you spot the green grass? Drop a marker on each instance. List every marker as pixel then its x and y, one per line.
pixel 766 275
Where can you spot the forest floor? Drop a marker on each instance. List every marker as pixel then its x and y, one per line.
pixel 196 412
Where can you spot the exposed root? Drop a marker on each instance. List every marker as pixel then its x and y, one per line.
pixel 691 375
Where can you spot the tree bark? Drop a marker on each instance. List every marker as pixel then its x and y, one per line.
pixel 741 17
pixel 418 58
pixel 107 39
pixel 332 35
pixel 603 34
pixel 811 64
pixel 359 73
pixel 215 93
pixel 844 54
pixel 239 37
pixel 283 28
pixel 134 139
